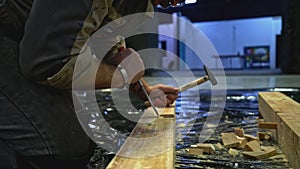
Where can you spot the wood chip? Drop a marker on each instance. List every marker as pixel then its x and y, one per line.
pixel 252 146
pixel 243 142
pixel 194 151
pixel 282 157
pixel 239 132
pixel 207 148
pixel 267 136
pixel 230 140
pixel 267 148
pixel 264 135
pixel 233 152
pixel 219 146
pixel 260 155
pixel 261 135
pixel 250 137
pixel 267 125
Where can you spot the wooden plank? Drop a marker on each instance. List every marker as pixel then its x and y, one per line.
pixel 278 108
pixel 150 145
pixel 167 112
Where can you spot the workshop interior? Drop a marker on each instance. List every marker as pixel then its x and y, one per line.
pixel 236 66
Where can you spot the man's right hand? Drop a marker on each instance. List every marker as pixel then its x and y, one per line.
pixel 131 61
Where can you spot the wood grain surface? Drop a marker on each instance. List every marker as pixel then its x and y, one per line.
pixel 151 144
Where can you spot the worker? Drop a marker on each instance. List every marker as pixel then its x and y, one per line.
pixel 38 125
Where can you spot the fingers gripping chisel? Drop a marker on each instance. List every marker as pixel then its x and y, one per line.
pixel 144 89
pixel 148 97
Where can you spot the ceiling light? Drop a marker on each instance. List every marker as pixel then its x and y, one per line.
pixel 190 1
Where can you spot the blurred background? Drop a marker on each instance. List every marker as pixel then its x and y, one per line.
pixel 250 36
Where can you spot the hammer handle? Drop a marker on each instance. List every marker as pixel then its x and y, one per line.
pixel 187 86
pixel 193 83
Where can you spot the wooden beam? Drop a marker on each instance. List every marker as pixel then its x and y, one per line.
pixel 278 108
pixel 151 144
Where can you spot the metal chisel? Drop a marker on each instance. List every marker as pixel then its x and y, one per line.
pixel 148 97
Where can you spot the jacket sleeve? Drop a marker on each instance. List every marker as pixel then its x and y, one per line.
pixel 50 33
pixel 57 30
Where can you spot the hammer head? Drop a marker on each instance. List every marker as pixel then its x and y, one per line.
pixel 211 77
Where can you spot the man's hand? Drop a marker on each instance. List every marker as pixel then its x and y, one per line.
pixel 131 61
pixel 162 95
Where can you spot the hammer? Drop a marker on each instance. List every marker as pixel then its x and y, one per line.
pixel 208 77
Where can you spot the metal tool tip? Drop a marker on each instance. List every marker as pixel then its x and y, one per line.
pixel 211 77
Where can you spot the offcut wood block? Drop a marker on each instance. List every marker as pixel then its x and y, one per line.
pixel 230 140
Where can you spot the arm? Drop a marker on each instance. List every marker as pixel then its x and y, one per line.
pixel 162 95
pixel 55 33
pixel 50 36
pixel 108 76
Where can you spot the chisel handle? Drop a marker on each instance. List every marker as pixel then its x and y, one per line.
pixel 193 83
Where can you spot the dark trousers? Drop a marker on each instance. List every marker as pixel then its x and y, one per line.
pixel 39 128
pixel 38 125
